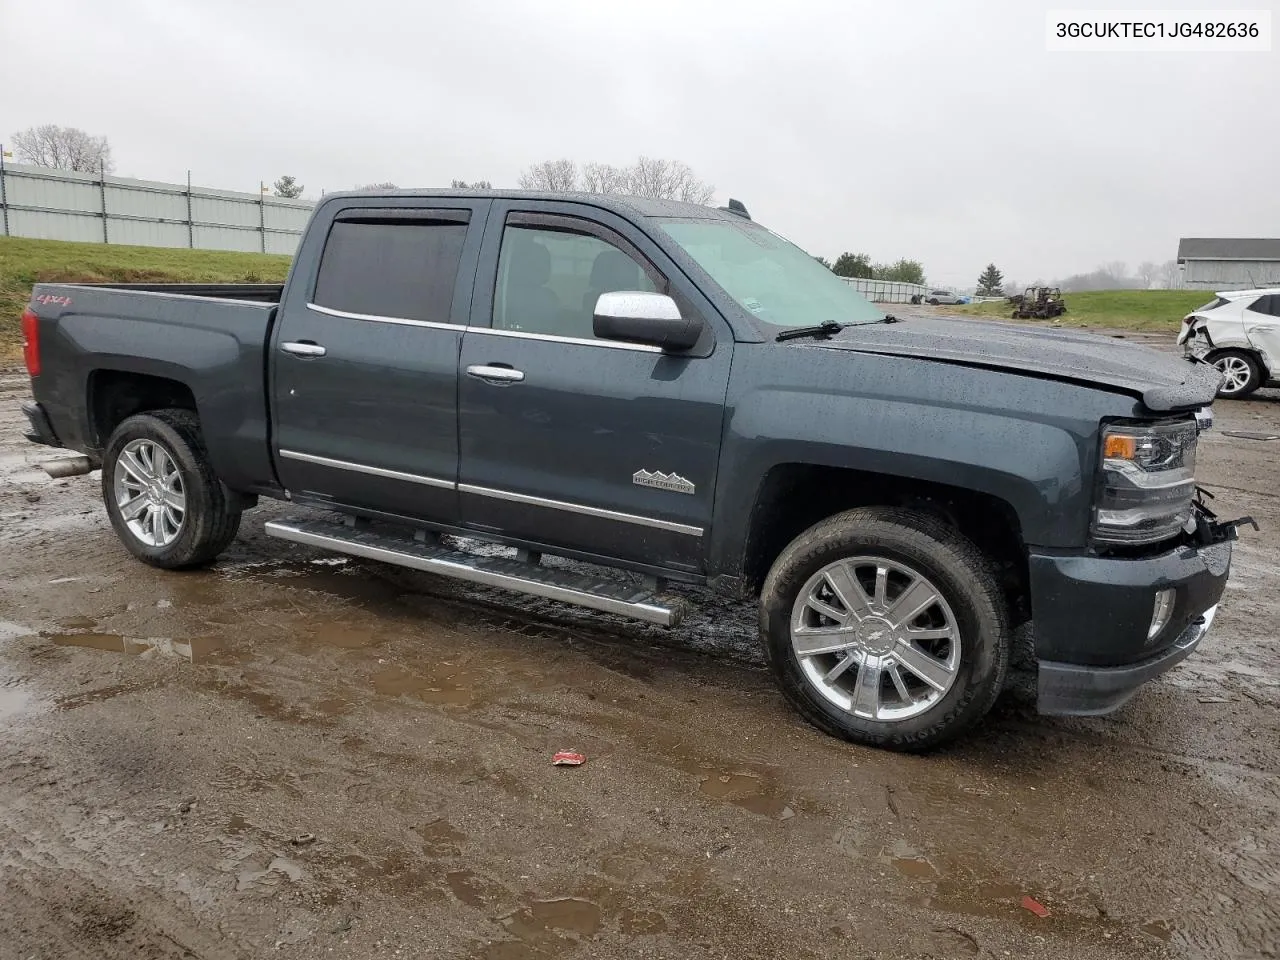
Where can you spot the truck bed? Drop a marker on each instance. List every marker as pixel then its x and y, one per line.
pixel 209 337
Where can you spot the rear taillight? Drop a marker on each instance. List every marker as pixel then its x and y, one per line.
pixel 31 341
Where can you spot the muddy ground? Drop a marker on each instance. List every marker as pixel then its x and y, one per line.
pixel 292 754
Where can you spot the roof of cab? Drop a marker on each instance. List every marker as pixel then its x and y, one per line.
pixel 618 203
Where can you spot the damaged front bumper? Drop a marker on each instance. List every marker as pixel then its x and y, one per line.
pixel 1072 690
pixel 1097 639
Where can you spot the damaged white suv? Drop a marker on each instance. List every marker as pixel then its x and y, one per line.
pixel 1239 333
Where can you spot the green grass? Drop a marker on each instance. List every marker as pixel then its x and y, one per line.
pixel 25 262
pixel 1151 311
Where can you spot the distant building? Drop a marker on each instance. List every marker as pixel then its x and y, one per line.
pixel 1229 263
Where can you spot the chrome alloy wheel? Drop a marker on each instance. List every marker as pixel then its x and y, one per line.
pixel 1235 372
pixel 876 638
pixel 148 491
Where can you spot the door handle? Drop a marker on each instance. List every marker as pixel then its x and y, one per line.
pixel 303 348
pixel 495 374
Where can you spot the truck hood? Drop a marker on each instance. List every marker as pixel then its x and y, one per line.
pixel 1162 381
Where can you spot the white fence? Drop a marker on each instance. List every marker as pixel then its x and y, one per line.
pixel 886 291
pixel 48 204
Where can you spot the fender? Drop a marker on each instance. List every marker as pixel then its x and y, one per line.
pixel 1026 441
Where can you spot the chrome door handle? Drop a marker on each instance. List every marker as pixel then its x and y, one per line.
pixel 495 374
pixel 303 349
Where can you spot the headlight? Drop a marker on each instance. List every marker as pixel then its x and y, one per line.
pixel 1148 482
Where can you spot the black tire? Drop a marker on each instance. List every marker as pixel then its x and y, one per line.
pixel 933 301
pixel 1253 381
pixel 962 575
pixel 209 522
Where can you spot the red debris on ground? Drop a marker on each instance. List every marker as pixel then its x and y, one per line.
pixel 1035 906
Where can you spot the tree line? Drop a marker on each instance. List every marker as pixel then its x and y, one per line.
pixel 859 265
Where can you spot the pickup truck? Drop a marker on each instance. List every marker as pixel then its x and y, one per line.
pixel 678 394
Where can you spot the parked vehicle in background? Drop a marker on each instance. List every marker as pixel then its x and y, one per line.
pixel 937 297
pixel 675 392
pixel 1239 333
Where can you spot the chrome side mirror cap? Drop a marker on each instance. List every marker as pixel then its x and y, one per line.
pixel 634 316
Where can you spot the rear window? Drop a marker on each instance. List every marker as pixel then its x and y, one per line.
pixel 393 268
pixel 1213 304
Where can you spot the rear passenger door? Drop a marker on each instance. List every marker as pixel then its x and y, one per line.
pixel 1262 327
pixel 365 359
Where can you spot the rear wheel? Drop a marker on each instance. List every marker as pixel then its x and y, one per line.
pixel 933 301
pixel 163 499
pixel 886 627
pixel 1241 373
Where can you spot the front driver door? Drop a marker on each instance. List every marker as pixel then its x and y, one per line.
pixel 572 442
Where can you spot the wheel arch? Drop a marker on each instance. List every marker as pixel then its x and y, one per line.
pixel 792 497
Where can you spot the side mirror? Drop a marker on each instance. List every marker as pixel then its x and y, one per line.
pixel 649 318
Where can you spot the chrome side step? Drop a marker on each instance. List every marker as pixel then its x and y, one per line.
pixel 597 593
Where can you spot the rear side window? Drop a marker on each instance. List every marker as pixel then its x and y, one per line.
pixel 391 268
pixel 1269 305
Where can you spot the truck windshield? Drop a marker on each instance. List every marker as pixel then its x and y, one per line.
pixel 771 278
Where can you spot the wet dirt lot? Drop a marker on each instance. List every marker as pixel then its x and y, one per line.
pixel 299 755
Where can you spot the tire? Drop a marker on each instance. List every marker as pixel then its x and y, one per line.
pixel 207 521
pixel 933 302
pixel 969 605
pixel 1241 371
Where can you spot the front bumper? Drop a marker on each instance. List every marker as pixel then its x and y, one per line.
pixel 1092 616
pixel 39 429
pixel 1071 690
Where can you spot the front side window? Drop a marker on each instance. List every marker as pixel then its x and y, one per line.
pixel 405 269
pixel 549 280
pixel 771 278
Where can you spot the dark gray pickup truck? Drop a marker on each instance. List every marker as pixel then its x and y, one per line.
pixel 674 391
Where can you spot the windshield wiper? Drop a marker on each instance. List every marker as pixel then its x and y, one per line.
pixel 822 330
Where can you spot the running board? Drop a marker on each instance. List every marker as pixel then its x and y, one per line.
pixel 597 593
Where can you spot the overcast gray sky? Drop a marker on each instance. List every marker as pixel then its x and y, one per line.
pixel 935 129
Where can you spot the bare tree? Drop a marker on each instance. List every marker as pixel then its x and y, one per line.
pixel 65 148
pixel 668 180
pixel 550 175
pixel 384 185
pixel 474 185
pixel 1169 274
pixel 1116 269
pixel 605 178
pixel 1148 273
pixel 647 177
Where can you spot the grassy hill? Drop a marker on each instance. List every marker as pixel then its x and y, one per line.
pixel 1152 311
pixel 25 262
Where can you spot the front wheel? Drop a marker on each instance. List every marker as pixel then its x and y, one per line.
pixel 1241 373
pixel 165 502
pixel 886 627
